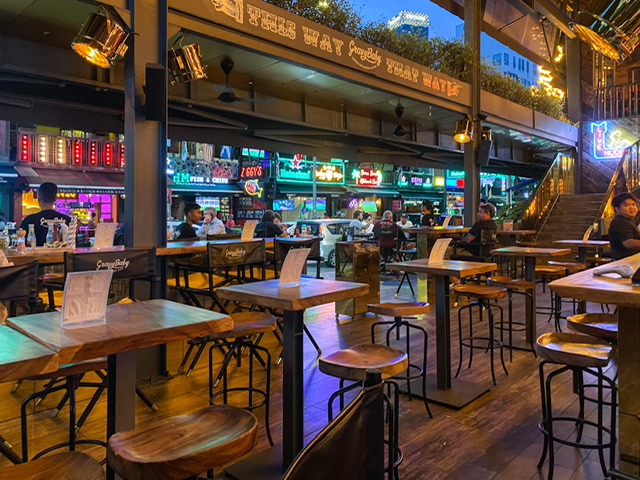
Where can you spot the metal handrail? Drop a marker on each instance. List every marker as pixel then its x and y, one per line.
pixel 617 101
pixel 557 181
pixel 625 178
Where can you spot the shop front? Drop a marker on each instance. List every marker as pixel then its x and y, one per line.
pixel 416 186
pixel 293 178
pixel 370 189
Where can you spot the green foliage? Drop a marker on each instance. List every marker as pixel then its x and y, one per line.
pixel 453 58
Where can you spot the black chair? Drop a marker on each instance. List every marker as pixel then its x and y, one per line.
pixel 129 264
pixel 477 251
pixel 282 246
pixel 404 253
pixel 387 239
pixel 19 283
pixel 360 426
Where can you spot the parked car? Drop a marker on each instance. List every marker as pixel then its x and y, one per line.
pixel 331 230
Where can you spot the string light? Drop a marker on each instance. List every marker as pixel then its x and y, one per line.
pixel 559 55
pixel 545 80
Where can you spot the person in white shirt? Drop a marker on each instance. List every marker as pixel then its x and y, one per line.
pixel 212 225
pixel 357 224
pixel 404 221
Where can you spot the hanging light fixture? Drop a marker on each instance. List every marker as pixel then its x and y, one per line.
pixel 486 134
pixel 101 40
pixel 463 130
pixel 399 111
pixel 185 62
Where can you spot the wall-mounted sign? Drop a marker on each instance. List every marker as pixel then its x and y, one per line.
pixel 299 170
pixel 252 187
pixel 366 177
pixel 609 144
pixel 415 180
pixel 188 179
pixel 253 171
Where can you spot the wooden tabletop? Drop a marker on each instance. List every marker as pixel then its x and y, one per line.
pixel 583 243
pixel 310 293
pixel 458 268
pixel 22 357
pixel 437 230
pixel 515 232
pixel 531 252
pixel 129 326
pixel 609 288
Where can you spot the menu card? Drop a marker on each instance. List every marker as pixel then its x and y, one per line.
pixel 85 298
pixel 292 267
pixel 248 229
pixel 439 249
pixel 585 237
pixel 104 235
pixel 446 221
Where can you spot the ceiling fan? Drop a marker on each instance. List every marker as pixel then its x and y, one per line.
pixel 228 95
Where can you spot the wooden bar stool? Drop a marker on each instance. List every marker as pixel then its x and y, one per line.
pixel 483 295
pixel 246 325
pixel 183 446
pixel 67 465
pixel 352 364
pixel 545 274
pixel 397 311
pixel 600 325
pixel 578 354
pixel 519 287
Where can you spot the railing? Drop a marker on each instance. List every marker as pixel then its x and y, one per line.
pixel 626 178
pixel 618 101
pixel 557 181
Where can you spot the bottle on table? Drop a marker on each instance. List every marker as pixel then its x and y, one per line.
pixel 31 237
pixel 49 238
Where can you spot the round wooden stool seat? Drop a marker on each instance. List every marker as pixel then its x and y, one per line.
pixel 484 292
pixel 599 325
pixel 572 267
pixel 183 446
pixel 246 324
pixel 551 270
pixel 67 465
pixel 574 349
pixel 352 363
pixel 399 309
pixel 509 283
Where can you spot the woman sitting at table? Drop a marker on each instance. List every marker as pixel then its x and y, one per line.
pixel 623 233
pixel 267 227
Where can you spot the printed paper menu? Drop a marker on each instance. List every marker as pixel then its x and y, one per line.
pixel 104 235
pixel 248 229
pixel 292 267
pixel 85 298
pixel 439 249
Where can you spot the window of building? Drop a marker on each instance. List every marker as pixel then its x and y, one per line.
pixel 527 67
pixel 506 59
pixel 497 59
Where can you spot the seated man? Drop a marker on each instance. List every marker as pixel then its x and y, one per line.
pixel 212 225
pixel 386 232
pixel 357 225
pixel 186 230
pixel 623 233
pixel 485 215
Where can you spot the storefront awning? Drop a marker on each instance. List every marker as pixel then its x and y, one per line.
pixel 74 180
pixel 8 173
pixel 305 189
pixel 206 189
pixel 378 192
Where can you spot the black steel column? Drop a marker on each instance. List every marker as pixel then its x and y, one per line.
pixel 443 333
pixel 292 386
pixel 574 101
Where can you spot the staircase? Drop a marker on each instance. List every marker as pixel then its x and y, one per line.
pixel 570 218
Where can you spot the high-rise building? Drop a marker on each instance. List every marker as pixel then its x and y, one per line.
pixel 410 22
pixel 505 60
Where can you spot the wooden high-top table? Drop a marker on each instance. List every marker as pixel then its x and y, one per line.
pixel 618 291
pixel 509 237
pixel 293 301
pixel 443 389
pixel 583 246
pixel 22 357
pixel 530 254
pixel 128 327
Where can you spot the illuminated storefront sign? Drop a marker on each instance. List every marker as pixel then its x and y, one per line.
pixel 415 180
pixel 252 187
pixel 254 171
pixel 298 170
pixel 366 177
pixel 188 179
pixel 609 145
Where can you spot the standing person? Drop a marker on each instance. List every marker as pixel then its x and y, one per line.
pixel 230 221
pixel 212 225
pixel 428 219
pixel 47 215
pixel 267 227
pixel 623 233
pixel 186 230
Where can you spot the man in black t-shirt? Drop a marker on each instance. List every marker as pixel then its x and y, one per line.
pixel 186 230
pixel 485 215
pixel 428 219
pixel 267 227
pixel 47 193
pixel 623 233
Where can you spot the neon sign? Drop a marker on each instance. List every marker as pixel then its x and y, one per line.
pixel 252 187
pixel 366 177
pixel 330 173
pixel 180 178
pixel 255 171
pixel 609 145
pixel 415 180
pixel 298 170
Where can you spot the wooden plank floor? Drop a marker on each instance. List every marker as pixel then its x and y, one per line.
pixel 495 437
